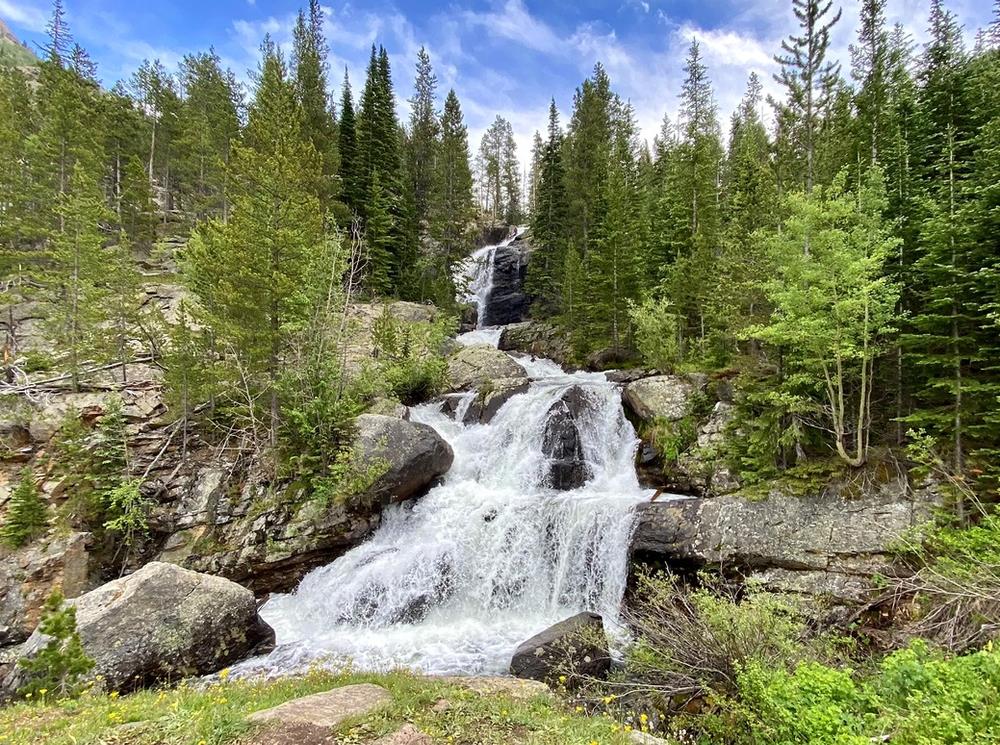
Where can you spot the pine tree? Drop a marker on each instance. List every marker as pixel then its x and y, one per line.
pixel 27 516
pixel 155 91
pixel 121 308
pixel 135 206
pixel 77 278
pixel 348 145
pixel 499 173
pixel 808 77
pixel 452 206
pixel 548 220
pixel 209 126
pixel 60 666
pixel 588 152
pixel 870 69
pixel 309 53
pixel 943 326
pixel 423 137
pixel 248 272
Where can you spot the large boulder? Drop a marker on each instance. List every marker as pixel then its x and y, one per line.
pixel 487 402
pixel 163 623
pixel 828 545
pixel 561 443
pixel 471 367
pixel 325 710
pixel 661 397
pixel 408 455
pixel 538 339
pixel 508 302
pixel 574 647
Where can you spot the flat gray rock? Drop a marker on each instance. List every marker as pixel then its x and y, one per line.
pixel 327 709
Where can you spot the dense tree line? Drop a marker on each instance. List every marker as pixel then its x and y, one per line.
pixel 843 261
pixel 277 208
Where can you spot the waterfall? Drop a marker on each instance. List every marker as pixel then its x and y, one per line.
pixel 453 582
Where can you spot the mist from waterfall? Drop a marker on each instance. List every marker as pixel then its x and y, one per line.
pixel 451 583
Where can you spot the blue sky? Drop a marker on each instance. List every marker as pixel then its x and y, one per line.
pixel 501 56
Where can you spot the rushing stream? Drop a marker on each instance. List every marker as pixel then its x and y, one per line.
pixel 454 581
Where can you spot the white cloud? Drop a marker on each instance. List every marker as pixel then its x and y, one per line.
pixel 515 23
pixel 26 15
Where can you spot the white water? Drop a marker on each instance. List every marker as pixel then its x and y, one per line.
pixel 453 582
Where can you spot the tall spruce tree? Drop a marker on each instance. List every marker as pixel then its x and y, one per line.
pixel 548 220
pixel 808 77
pixel 452 201
pixel 309 54
pixel 347 140
pixel 423 141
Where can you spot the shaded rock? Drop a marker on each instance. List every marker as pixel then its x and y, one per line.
pixel 576 646
pixel 469 320
pixel 473 366
pixel 568 468
pixel 163 623
pixel 508 302
pixel 408 454
pixel 29 575
pixel 328 709
pixel 603 359
pixel 660 397
pixel 626 376
pixel 538 339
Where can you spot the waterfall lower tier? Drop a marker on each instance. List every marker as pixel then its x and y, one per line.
pixel 532 524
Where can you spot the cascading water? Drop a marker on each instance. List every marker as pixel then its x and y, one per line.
pixel 453 582
pixel 474 276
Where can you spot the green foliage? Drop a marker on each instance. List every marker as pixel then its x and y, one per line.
pixel 128 512
pixel 656 332
pixel 27 515
pixel 58 669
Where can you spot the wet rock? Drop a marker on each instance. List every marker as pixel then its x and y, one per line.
pixel 163 623
pixel 491 397
pixel 576 646
pixel 474 366
pixel 508 302
pixel 469 320
pixel 561 443
pixel 408 454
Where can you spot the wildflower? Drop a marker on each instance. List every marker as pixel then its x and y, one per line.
pixel 113 694
pixel 43 691
pixel 579 709
pixel 562 678
pixel 224 673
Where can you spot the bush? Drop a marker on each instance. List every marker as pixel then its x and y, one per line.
pixel 60 666
pixel 656 333
pixel 27 515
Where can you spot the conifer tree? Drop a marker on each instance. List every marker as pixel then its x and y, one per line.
pixel 248 272
pixel 309 53
pixel 499 176
pixel 348 146
pixel 60 666
pixel 808 77
pixel 121 308
pixel 154 90
pixel 77 279
pixel 209 125
pixel 588 152
pixel 423 137
pixel 870 69
pixel 548 219
pixel 135 206
pixel 27 516
pixel 451 206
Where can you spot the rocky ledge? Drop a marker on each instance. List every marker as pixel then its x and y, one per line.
pixel 830 546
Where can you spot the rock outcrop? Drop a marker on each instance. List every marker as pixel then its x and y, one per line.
pixel 825 545
pixel 538 339
pixel 29 575
pixel 487 401
pixel 661 397
pixel 326 710
pixel 576 646
pixel 160 624
pixel 561 442
pixel 508 302
pixel 406 456
pixel 474 366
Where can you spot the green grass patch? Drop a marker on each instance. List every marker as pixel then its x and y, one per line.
pixel 217 714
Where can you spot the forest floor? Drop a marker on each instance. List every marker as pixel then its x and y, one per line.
pixel 446 710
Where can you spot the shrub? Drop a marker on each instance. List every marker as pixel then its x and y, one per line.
pixel 656 333
pixel 27 515
pixel 60 666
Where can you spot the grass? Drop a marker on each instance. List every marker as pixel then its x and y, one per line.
pixel 217 715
